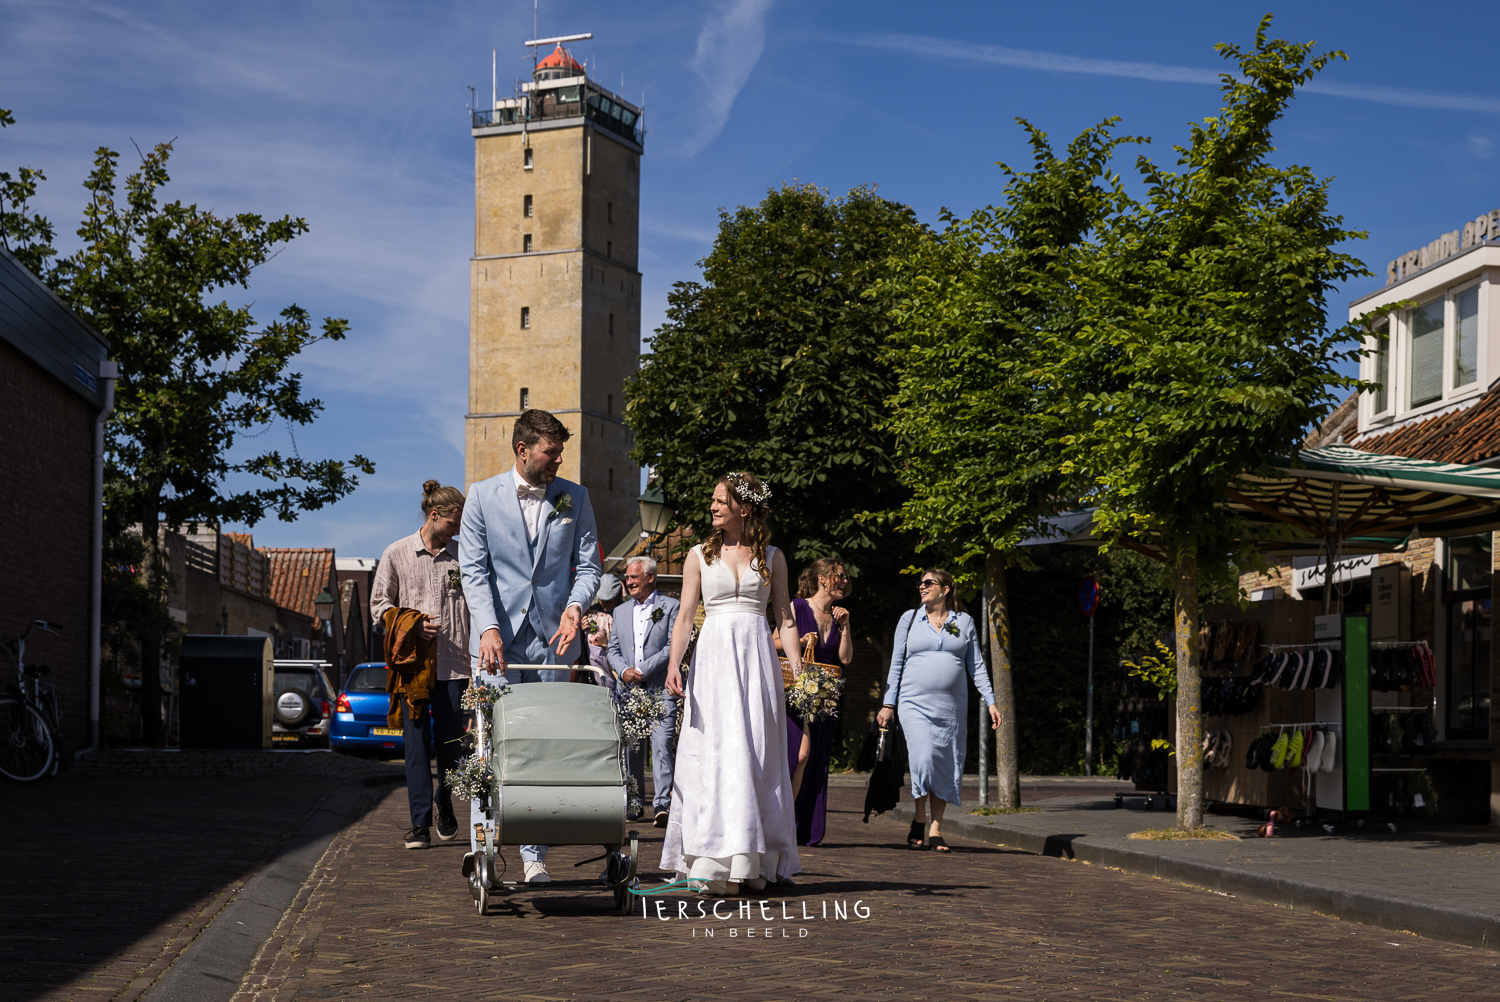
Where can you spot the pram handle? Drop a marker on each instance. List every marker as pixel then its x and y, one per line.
pixel 510 665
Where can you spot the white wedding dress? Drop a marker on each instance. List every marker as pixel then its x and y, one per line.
pixel 732 816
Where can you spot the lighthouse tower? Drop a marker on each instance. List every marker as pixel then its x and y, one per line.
pixel 554 288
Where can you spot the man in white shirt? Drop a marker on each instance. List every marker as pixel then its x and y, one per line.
pixel 639 646
pixel 421 572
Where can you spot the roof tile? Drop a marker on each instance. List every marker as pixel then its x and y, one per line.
pixel 297 576
pixel 1464 435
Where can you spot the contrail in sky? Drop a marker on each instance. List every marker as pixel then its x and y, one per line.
pixel 1054 62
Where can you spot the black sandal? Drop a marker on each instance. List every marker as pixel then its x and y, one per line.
pixel 914 836
pixel 936 844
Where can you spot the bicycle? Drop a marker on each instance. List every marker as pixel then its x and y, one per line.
pixel 29 746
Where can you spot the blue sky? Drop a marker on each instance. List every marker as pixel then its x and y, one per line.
pixel 353 116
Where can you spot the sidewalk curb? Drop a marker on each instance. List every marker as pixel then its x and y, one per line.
pixel 211 967
pixel 1453 925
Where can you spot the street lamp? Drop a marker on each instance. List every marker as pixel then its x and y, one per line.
pixel 656 511
pixel 324 604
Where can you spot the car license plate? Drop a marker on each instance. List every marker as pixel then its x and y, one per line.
pixel 284 737
pixel 385 732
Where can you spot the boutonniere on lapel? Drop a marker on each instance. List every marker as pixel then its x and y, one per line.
pixel 560 505
pixel 455 580
pixel 656 614
pixel 950 627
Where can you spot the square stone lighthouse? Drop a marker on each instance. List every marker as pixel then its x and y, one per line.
pixel 555 290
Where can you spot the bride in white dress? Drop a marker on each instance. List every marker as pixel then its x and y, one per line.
pixel 733 820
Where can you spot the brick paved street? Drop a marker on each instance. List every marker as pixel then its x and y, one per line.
pixel 376 921
pixel 107 878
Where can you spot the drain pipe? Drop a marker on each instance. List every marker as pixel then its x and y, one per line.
pixel 109 372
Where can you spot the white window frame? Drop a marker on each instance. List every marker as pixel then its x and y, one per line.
pixel 1450 344
pixel 1399 394
pixel 1392 383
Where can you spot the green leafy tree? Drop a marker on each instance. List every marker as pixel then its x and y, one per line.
pixel 771 364
pixel 975 303
pixel 194 374
pixel 1203 347
pixel 26 234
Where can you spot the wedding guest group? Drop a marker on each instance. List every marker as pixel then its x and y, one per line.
pixel 935 652
pixel 639 644
pixel 417 590
pixel 529 563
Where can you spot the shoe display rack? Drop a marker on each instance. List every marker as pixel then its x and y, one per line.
pixel 1141 718
pixel 1403 711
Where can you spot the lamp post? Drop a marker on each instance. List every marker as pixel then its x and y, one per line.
pixel 656 511
pixel 1088 604
pixel 324 604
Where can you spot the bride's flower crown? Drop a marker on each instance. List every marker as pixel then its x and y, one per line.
pixel 740 484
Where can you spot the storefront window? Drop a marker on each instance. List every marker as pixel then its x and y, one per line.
pixel 1467 573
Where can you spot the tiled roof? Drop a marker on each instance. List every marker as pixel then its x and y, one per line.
pixel 1464 435
pixel 297 576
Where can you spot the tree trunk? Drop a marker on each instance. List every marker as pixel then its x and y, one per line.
pixel 148 635
pixel 1189 743
pixel 997 608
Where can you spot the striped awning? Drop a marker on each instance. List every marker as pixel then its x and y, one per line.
pixel 1335 497
pixel 1338 493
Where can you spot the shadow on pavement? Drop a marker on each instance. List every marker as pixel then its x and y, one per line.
pixel 108 877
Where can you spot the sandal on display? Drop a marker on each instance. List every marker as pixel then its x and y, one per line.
pixel 914 836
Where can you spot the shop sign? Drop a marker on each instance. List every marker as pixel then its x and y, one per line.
pixel 1485 227
pixel 1347 569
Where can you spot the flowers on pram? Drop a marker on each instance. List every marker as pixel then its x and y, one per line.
pixel 640 710
pixel 471 780
pixel 814 693
pixel 478 696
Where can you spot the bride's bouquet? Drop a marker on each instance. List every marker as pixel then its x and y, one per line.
pixel 814 693
pixel 640 710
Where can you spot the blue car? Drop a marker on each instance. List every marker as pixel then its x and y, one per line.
pixel 359 723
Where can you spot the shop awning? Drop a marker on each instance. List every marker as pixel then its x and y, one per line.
pixel 1339 493
pixel 1336 498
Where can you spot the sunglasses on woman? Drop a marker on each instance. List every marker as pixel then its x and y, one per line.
pixel 927 583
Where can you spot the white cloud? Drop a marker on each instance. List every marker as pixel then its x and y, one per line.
pixel 729 45
pixel 1482 147
pixel 1052 62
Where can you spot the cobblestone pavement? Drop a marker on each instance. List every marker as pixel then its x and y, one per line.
pixel 106 879
pixel 376 921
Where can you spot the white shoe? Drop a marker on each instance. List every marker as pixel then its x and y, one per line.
pixel 536 873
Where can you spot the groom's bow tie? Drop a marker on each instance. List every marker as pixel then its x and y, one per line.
pixel 525 490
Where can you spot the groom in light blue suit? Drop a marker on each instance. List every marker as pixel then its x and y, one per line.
pixel 639 645
pixel 528 554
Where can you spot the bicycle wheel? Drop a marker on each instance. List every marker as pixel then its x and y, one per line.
pixel 27 743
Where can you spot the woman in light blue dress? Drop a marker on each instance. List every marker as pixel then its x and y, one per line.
pixel 936 652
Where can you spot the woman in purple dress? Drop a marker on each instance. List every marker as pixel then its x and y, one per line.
pixel 810 746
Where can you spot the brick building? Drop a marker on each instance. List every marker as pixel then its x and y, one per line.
pixel 297 577
pixel 51 394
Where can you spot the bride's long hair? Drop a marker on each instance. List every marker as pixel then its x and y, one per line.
pixel 752 496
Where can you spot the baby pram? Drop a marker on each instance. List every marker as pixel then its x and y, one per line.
pixel 557 777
